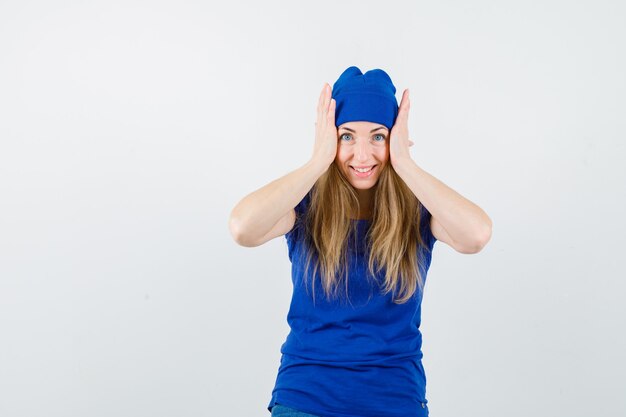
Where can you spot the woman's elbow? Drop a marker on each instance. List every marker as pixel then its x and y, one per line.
pixel 484 238
pixel 236 230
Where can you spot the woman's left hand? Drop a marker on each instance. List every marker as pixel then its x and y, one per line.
pixel 399 142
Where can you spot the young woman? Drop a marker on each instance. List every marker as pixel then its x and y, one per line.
pixel 360 219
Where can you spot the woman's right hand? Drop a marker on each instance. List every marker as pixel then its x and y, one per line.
pixel 325 148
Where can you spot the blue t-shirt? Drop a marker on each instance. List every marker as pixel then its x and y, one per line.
pixel 359 357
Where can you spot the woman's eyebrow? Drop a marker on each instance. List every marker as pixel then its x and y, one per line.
pixel 354 131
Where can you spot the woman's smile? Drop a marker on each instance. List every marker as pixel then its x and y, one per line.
pixel 363 172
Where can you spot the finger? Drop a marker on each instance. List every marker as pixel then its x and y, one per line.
pixel 327 96
pixel 404 104
pixel 403 111
pixel 411 143
pixel 331 111
pixel 322 107
pixel 320 101
pixel 408 100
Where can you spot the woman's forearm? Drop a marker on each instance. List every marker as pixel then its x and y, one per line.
pixel 259 211
pixel 464 221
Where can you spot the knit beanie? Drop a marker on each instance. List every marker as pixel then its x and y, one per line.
pixel 366 97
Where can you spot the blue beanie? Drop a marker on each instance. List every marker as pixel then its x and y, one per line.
pixel 369 97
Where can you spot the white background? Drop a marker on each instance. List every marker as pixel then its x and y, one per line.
pixel 130 129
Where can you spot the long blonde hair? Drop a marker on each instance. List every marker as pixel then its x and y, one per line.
pixel 393 238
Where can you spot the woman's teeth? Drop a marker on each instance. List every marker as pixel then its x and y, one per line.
pixel 363 172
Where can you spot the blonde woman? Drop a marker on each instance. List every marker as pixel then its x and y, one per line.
pixel 360 219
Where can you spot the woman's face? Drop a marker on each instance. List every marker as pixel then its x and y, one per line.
pixel 362 145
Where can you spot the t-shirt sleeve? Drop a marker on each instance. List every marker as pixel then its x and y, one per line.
pixel 427 234
pixel 297 230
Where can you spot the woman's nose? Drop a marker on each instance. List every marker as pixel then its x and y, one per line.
pixel 362 151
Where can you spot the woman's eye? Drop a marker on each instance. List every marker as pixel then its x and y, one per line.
pixel 378 138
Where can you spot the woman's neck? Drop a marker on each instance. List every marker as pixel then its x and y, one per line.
pixel 366 203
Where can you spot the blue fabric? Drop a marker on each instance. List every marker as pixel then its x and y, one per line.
pixel 369 97
pixel 356 358
pixel 280 410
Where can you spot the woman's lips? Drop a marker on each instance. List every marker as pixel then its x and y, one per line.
pixel 363 174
